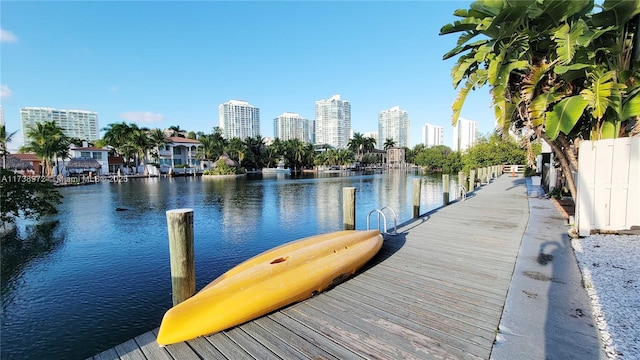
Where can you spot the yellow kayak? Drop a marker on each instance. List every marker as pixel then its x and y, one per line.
pixel 273 279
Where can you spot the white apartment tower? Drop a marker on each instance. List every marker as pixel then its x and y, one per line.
pixel 333 122
pixel 465 134
pixel 293 126
pixel 238 118
pixel 80 124
pixel 393 124
pixel 432 135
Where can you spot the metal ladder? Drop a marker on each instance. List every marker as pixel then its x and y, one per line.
pixel 462 191
pixel 380 213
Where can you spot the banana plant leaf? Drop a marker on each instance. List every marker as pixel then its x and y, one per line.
pixel 564 116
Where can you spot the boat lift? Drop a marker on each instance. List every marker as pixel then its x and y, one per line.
pixel 380 213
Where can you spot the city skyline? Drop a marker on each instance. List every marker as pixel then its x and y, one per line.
pixel 145 72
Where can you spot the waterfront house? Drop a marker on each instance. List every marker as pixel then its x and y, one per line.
pixel 100 155
pixel 116 163
pixel 396 157
pixel 179 152
pixel 28 164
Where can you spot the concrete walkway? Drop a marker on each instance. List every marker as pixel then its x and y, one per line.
pixel 547 314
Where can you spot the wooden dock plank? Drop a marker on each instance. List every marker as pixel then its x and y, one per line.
pixel 314 336
pixel 179 350
pixel 355 333
pixel 459 317
pixel 435 290
pixel 150 348
pixel 205 349
pixel 373 331
pixel 108 354
pixel 229 348
pixel 411 326
pixel 274 343
pixel 255 348
pixel 308 348
pixel 130 351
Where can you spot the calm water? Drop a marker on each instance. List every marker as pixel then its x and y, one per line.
pixel 94 277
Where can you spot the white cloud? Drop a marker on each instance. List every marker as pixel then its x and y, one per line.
pixel 141 116
pixel 5 91
pixel 7 36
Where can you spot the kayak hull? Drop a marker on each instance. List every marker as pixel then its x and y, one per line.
pixel 269 281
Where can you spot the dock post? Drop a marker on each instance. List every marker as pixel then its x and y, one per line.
pixel 472 180
pixel 461 183
pixel 445 189
pixel 183 272
pixel 417 184
pixel 349 208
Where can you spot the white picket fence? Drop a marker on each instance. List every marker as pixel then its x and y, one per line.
pixel 608 185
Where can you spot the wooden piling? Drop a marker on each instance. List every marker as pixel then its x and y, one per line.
pixel 445 189
pixel 417 184
pixel 472 180
pixel 181 255
pixel 349 208
pixel 461 183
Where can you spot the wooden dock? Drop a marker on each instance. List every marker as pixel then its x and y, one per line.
pixel 435 291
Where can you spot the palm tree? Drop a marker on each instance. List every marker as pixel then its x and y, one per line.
pixel 46 140
pixel 257 150
pixel 236 149
pixel 557 70
pixel 116 135
pixel 356 144
pixel 207 150
pixel 368 144
pixel 345 157
pixel 157 138
pixel 176 131
pixel 4 139
pixel 139 138
pixel 295 153
pixel 389 143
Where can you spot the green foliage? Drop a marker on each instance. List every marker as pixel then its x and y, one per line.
pixel 27 197
pixel 529 171
pixel 369 159
pixel 558 61
pixel 221 168
pixel 47 141
pixel 493 150
pixel 438 158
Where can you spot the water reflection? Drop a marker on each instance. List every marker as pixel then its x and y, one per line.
pixel 22 246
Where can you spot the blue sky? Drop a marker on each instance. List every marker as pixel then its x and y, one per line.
pixel 164 63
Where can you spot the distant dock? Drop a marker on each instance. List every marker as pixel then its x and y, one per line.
pixel 435 290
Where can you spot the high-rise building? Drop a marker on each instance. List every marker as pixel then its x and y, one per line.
pixel 465 134
pixel 393 124
pixel 239 119
pixel 293 126
pixel 432 135
pixel 333 122
pixel 80 124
